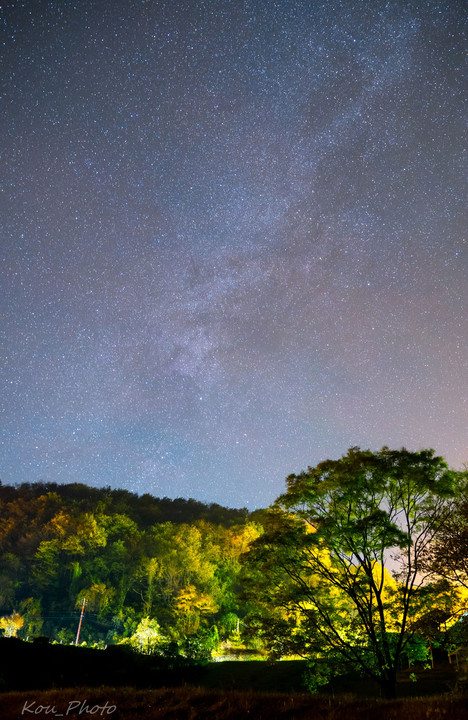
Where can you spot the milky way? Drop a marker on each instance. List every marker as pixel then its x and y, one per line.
pixel 233 240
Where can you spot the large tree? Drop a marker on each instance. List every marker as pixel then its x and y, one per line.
pixel 320 572
pixel 448 554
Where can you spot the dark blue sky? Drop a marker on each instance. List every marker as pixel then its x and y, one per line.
pixel 233 240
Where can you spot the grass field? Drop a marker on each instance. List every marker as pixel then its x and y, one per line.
pixel 200 704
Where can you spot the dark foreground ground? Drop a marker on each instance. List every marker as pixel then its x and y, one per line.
pixel 40 666
pixel 45 681
pixel 191 703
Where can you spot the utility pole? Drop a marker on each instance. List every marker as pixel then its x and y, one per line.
pixel 81 620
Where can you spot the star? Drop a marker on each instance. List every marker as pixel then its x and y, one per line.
pixel 234 240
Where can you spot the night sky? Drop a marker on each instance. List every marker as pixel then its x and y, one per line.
pixel 232 240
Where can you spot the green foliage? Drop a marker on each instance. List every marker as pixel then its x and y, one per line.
pixel 228 624
pixel 30 610
pixel 169 577
pixel 318 674
pixel 317 575
pixel 133 560
pixel 37 500
pixel 147 636
pixel 197 649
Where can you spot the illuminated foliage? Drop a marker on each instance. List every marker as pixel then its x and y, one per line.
pixel 60 544
pixel 11 624
pixel 321 564
pixel 147 636
pixel 98 597
pixel 30 610
pixel 190 607
pixel 338 573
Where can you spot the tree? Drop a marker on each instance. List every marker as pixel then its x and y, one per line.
pixel 147 637
pixel 30 611
pixel 321 563
pixel 180 556
pixel 11 624
pixel 190 606
pixel 447 556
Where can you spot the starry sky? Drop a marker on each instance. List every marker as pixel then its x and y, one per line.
pixel 232 239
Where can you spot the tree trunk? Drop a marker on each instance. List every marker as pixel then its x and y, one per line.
pixel 388 685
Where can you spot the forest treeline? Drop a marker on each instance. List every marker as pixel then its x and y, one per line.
pixel 361 564
pixel 148 568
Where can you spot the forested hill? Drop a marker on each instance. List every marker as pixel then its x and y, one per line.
pixel 137 561
pixel 145 510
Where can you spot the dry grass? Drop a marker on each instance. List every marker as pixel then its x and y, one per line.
pixel 191 703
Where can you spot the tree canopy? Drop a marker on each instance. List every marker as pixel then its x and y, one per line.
pixel 167 563
pixel 448 555
pixel 339 571
pixel 360 564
